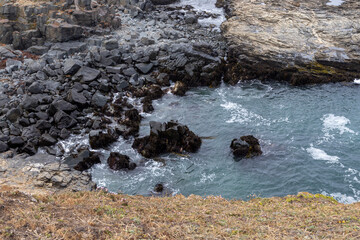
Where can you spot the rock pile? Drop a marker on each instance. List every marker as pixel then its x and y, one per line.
pixel 167 138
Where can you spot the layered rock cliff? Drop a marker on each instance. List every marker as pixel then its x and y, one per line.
pixel 304 41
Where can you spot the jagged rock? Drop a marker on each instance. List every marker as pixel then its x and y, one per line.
pixel 76 97
pixel 99 139
pixel 88 162
pixel 99 100
pixel 6 53
pixel 111 44
pixel 13 114
pixel 313 49
pixel 30 102
pixel 166 138
pixel 144 67
pixel 179 88
pixel 246 147
pixel 16 141
pixel 117 161
pixel 3 147
pixel 88 74
pixel 63 32
pixel 64 120
pixel 47 140
pixel 71 66
pixel 36 88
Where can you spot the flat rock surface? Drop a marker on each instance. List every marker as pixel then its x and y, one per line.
pixel 295 32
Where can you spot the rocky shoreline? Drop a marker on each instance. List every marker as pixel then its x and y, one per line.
pixel 98 85
pixel 93 69
pixel 300 42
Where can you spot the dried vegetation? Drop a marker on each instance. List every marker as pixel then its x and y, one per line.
pixel 101 215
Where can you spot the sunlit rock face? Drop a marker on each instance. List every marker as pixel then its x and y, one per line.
pixel 318 38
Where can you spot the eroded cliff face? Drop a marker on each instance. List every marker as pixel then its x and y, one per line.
pixel 303 41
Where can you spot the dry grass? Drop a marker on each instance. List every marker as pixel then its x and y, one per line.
pixel 100 215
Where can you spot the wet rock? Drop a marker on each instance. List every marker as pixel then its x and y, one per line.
pixel 246 147
pixel 117 161
pixel 88 162
pixel 99 139
pixel 166 138
pixel 190 19
pixel 62 105
pixel 179 88
pixel 158 188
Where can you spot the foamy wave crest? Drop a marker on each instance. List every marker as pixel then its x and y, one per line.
pixel 319 154
pixel 343 198
pixel 240 114
pixel 332 123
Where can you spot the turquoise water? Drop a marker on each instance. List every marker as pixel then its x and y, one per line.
pixel 309 136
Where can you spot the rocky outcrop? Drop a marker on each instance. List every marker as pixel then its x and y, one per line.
pixel 246 147
pixel 299 42
pixel 33 23
pixel 42 171
pixel 167 138
pixel 117 161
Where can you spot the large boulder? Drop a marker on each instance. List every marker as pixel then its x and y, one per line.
pixel 63 32
pixel 167 138
pixel 246 147
pixel 117 161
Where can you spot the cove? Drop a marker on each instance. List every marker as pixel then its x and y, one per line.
pixel 308 135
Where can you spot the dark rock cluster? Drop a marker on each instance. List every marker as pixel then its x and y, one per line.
pixel 167 138
pixel 246 147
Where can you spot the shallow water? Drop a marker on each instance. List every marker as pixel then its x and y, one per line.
pixel 309 137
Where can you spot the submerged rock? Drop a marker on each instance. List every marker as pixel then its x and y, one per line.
pixel 166 138
pixel 117 161
pixel 246 147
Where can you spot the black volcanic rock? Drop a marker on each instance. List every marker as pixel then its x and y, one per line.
pixel 246 147
pixel 166 138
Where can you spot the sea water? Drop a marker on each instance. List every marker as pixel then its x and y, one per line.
pixel 309 137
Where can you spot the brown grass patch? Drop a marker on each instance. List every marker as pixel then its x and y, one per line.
pixel 100 215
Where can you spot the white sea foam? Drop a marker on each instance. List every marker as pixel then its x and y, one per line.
pixel 335 2
pixel 319 154
pixel 335 123
pixel 240 114
pixel 207 178
pixel 343 198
